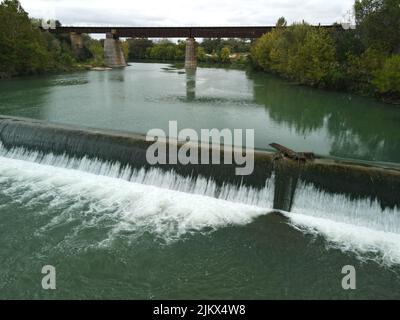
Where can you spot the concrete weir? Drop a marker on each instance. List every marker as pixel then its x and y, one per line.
pixel 353 180
pixel 113 53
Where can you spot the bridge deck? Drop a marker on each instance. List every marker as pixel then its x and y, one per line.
pixel 172 32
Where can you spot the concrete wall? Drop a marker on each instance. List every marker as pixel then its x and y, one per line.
pixel 113 53
pixel 76 43
pixel 353 180
pixel 190 57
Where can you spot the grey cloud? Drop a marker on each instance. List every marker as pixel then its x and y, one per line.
pixel 176 12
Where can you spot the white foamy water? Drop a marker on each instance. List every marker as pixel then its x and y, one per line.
pixel 366 243
pixel 170 206
pixel 133 206
pixel 340 208
pixel 155 177
pixel 360 226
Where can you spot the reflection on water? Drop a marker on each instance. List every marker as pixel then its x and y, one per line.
pixel 190 84
pixel 357 127
pixel 147 95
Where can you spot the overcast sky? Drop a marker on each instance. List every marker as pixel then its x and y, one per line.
pixel 187 12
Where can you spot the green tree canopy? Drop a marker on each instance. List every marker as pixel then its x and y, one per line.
pixel 378 23
pixel 23 50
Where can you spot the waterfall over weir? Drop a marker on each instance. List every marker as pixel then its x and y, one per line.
pixel 340 193
pixel 262 197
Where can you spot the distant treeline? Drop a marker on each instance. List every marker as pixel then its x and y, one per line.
pixel 365 59
pixel 25 49
pixel 209 50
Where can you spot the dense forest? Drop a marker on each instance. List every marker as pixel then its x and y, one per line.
pixel 209 50
pixel 25 49
pixel 365 59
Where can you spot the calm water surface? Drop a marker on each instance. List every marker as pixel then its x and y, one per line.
pixel 148 95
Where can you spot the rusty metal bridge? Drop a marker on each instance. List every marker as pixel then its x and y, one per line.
pixel 172 32
pixel 112 47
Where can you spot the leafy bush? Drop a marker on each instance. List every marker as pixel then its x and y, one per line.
pixel 300 52
pixel 387 79
pixel 361 69
pixel 224 55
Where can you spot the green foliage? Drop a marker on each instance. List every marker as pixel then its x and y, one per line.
pixel 236 45
pixel 378 24
pixel 125 49
pixel 210 50
pixel 224 55
pixel 364 60
pixel 300 52
pixel 281 23
pixel 201 54
pixel 97 52
pixel 361 69
pixel 346 42
pixel 180 51
pixel 212 45
pixel 166 50
pixel 387 79
pixel 138 48
pixel 314 58
pixel 26 49
pixel 22 48
pixel 216 45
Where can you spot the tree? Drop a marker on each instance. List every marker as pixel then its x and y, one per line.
pixel 301 52
pixel 378 23
pixel 281 23
pixel 138 48
pixel 361 69
pixel 201 54
pixel 26 49
pixel 22 48
pixel 346 42
pixel 97 51
pixel 387 79
pixel 211 45
pixel 225 55
pixel 180 50
pixel 313 59
pixel 125 49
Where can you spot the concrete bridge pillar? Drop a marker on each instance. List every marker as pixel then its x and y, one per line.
pixel 190 57
pixel 113 53
pixel 286 179
pixel 76 43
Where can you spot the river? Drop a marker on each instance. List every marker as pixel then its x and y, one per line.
pixel 148 95
pixel 115 237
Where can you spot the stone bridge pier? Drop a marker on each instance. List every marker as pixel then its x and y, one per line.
pixel 76 43
pixel 190 57
pixel 113 53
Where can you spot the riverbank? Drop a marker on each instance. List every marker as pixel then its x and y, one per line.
pixel 29 50
pixel 335 59
pixel 328 123
pixel 389 100
pixel 74 68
